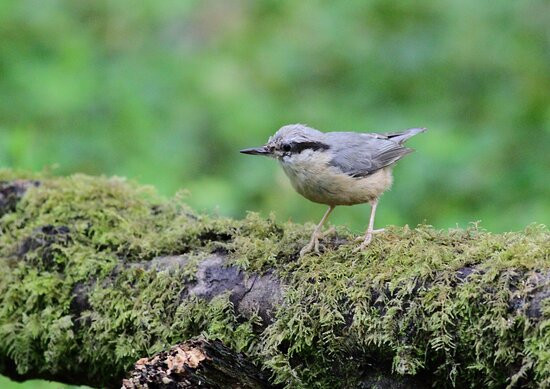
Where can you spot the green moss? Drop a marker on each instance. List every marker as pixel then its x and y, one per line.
pixel 450 304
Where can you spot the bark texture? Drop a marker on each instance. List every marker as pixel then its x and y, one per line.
pixel 196 364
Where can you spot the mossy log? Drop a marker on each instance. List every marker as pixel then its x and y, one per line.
pixel 98 273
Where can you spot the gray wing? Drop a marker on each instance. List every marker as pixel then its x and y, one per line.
pixel 359 155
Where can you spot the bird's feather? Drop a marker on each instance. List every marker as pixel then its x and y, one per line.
pixel 359 155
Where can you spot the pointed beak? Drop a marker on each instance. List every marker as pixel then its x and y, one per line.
pixel 256 151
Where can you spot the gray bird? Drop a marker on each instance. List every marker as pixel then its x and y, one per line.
pixel 337 168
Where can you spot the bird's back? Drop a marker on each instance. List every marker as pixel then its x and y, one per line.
pixel 361 154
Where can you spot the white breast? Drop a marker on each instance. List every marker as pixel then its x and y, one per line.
pixel 313 177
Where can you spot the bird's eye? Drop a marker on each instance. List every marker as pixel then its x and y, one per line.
pixel 286 147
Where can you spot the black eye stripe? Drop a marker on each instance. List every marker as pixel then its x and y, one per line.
pixel 301 146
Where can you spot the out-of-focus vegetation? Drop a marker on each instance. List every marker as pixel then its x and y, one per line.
pixel 167 92
pixel 5 383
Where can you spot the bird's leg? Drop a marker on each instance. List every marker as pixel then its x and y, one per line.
pixel 370 230
pixel 313 244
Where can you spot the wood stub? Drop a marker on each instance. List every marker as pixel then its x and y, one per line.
pixel 197 363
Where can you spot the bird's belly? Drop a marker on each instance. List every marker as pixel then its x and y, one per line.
pixel 328 185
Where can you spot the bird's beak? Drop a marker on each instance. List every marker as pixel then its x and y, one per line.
pixel 257 151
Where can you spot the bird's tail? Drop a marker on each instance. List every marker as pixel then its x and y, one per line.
pixel 403 136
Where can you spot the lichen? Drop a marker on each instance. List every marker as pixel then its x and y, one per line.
pixel 454 305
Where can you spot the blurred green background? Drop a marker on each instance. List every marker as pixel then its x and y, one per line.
pixel 167 92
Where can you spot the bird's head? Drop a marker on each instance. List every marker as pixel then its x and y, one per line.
pixel 290 140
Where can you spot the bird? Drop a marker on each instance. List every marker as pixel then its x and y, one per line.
pixel 337 168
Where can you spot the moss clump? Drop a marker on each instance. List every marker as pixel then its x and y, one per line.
pixel 460 307
pixel 76 231
pixel 451 304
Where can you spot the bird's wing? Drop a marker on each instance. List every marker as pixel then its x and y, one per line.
pixel 359 155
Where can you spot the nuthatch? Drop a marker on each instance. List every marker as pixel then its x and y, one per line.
pixel 337 168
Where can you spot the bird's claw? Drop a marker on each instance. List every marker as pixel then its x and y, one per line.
pixel 313 245
pixel 364 237
pixel 366 241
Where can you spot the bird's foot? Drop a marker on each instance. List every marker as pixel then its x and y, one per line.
pixel 366 242
pixel 313 245
pixel 364 237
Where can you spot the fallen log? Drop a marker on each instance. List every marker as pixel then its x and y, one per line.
pixel 100 273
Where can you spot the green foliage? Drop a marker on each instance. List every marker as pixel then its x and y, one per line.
pixel 451 303
pixel 167 92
